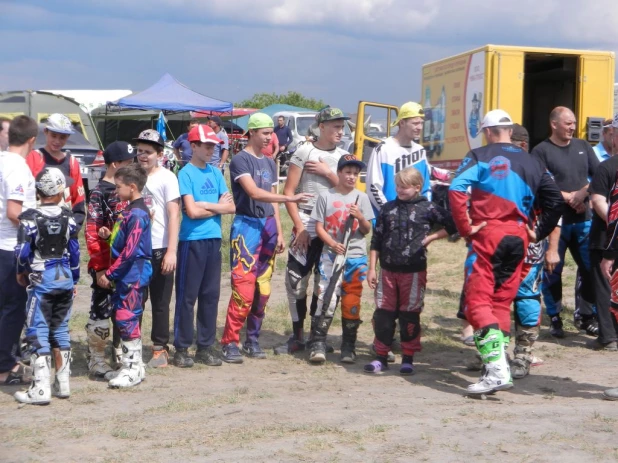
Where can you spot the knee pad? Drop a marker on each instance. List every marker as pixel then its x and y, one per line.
pixel 409 325
pixel 384 326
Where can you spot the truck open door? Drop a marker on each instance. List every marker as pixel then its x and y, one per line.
pixel 368 136
pixel 594 72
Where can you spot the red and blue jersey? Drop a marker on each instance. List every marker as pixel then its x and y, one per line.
pixel 504 182
pixel 131 244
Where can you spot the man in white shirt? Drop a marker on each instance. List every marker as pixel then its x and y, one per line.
pixel 162 196
pixel 17 193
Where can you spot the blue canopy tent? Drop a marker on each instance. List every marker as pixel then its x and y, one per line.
pixel 167 95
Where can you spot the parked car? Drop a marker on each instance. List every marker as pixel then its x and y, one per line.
pixel 91 163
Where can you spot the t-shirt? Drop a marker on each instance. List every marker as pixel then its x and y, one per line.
pixel 313 183
pixel 207 185
pixel 602 184
pixel 182 144
pixel 571 166
pixel 263 171
pixel 16 183
pixel 332 209
pixel 216 157
pixel 160 189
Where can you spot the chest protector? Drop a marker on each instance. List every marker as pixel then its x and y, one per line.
pixel 52 234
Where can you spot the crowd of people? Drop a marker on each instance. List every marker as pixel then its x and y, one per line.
pixel 149 233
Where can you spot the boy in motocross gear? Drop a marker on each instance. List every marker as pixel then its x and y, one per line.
pixel 504 182
pixel 48 259
pixel 130 272
pixel 313 169
pixel 402 233
pixel 57 131
pixel 104 207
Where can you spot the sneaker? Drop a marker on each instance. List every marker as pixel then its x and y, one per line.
pixel 160 357
pixel 536 361
pixel 594 344
pixel 231 354
pixel 407 365
pixel 556 327
pixel 253 350
pixel 318 352
pixel 590 326
pixel 291 346
pixel 376 367
pixel 208 356
pixel 182 359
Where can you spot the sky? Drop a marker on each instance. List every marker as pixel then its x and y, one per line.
pixel 340 51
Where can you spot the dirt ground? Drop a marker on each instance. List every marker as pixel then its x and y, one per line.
pixel 284 409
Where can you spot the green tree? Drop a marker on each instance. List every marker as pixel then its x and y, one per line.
pixel 261 100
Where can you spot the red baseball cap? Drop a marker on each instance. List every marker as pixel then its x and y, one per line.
pixel 204 134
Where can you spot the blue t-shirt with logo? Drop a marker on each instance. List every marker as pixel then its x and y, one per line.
pixel 263 171
pixel 206 185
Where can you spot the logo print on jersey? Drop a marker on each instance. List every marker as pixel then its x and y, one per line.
pixel 208 188
pixel 499 167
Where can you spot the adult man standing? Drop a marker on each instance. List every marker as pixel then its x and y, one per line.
pixel 182 147
pixel 284 134
pixel 572 162
pixel 57 131
pixel 4 133
pixel 222 150
pixel 600 190
pixel 313 170
pixel 504 182
pixel 398 152
pixel 17 193
pixel 603 150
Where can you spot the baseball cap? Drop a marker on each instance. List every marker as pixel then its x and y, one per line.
pixel 520 133
pixel 349 160
pixel 408 110
pixel 216 119
pixel 150 136
pixel 59 123
pixel 51 181
pixel 330 114
pixel 204 134
pixel 615 121
pixel 497 118
pixel 118 151
pixel 260 121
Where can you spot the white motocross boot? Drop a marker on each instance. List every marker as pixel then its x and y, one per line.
pixel 97 333
pixel 39 392
pixel 132 372
pixel 61 387
pixel 496 375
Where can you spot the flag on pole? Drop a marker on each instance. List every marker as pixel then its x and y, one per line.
pixel 161 126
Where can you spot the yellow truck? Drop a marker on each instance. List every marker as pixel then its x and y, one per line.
pixel 526 82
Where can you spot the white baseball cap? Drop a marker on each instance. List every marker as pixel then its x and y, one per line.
pixel 496 118
pixel 59 123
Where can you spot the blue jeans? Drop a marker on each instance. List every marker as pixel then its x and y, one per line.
pixel 573 237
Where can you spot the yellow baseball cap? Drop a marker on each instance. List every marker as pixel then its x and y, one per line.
pixel 408 110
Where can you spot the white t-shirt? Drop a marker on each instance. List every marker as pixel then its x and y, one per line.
pixel 160 189
pixel 16 183
pixel 313 183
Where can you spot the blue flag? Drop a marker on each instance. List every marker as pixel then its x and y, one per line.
pixel 161 126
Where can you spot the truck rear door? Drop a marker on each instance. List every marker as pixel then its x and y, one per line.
pixel 594 89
